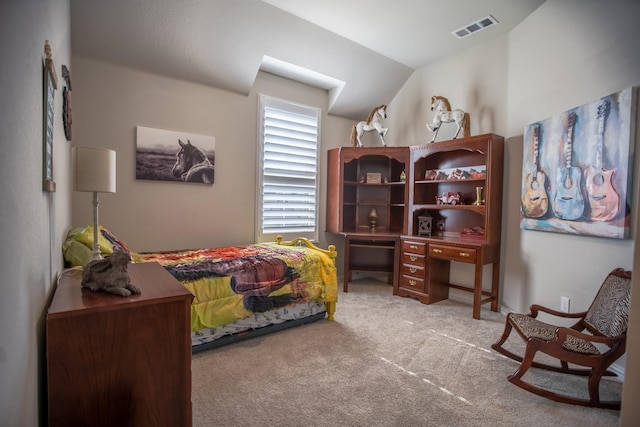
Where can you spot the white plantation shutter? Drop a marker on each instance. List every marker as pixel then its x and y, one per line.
pixel 288 161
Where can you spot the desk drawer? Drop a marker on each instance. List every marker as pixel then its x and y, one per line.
pixel 414 247
pixel 453 253
pixel 414 259
pixel 413 270
pixel 411 282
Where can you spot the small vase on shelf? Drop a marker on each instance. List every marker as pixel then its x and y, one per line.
pixel 373 219
pixel 479 201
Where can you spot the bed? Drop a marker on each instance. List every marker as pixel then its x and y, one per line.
pixel 239 291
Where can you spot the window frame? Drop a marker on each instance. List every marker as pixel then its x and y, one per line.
pixel 264 103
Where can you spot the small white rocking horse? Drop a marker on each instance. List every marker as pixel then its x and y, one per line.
pixel 443 114
pixel 372 123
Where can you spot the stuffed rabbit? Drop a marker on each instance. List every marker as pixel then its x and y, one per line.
pixel 110 275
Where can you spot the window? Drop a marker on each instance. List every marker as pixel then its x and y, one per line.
pixel 288 164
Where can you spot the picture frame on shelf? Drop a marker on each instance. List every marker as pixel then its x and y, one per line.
pixel 374 178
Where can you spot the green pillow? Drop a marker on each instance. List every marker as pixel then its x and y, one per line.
pixel 78 247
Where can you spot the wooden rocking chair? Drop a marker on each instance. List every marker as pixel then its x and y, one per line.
pixel 605 322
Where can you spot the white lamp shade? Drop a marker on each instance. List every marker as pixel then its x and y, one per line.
pixel 95 169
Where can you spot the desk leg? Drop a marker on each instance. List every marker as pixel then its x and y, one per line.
pixel 495 285
pixel 346 271
pixel 477 290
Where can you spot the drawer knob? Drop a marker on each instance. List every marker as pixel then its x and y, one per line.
pixel 464 254
pixel 413 246
pixel 412 282
pixel 438 251
pixel 413 257
pixel 413 269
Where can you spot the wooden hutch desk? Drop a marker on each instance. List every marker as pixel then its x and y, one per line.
pixel 455 185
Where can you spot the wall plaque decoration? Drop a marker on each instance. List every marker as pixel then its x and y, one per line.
pixel 50 85
pixel 66 102
pixel 577 169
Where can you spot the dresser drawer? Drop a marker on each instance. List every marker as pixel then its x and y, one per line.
pixel 413 270
pixel 453 253
pixel 414 247
pixel 411 282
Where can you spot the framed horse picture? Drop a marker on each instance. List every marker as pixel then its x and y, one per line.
pixel 164 155
pixel 577 169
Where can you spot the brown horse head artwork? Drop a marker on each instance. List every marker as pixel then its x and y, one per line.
pixel 192 165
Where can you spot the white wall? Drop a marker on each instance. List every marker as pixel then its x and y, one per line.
pixel 33 221
pixel 473 81
pixel 110 101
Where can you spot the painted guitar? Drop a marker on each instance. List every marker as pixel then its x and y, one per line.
pixel 603 199
pixel 535 200
pixel 568 202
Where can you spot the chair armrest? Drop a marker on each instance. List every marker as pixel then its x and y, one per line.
pixel 562 333
pixel 535 308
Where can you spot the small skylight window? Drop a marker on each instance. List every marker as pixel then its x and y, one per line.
pixel 474 27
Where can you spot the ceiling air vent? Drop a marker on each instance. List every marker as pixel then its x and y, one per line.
pixel 474 27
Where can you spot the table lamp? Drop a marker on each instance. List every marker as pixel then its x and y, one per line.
pixel 96 173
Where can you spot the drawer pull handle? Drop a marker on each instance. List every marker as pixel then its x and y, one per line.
pixel 412 282
pixel 438 251
pixel 413 246
pixel 464 254
pixel 413 257
pixel 413 269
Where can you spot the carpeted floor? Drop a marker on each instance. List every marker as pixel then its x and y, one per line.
pixel 384 361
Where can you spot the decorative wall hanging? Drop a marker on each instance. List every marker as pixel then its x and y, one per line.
pixel 577 169
pixel 66 102
pixel 50 85
pixel 164 155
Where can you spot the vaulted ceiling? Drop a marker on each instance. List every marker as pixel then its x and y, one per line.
pixel 361 51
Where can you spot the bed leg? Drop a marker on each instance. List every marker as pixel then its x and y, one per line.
pixel 331 308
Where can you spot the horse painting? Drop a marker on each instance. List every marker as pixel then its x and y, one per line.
pixel 443 114
pixel 372 123
pixel 192 165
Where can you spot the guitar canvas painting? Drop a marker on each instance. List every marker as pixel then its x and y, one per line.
pixel 577 169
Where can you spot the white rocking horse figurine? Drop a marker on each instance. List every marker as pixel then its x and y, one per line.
pixel 443 114
pixel 372 123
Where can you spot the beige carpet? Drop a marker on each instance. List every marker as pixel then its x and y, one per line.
pixel 384 361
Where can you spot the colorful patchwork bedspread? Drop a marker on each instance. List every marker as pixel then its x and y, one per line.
pixel 232 283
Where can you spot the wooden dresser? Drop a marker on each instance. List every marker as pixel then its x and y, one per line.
pixel 120 361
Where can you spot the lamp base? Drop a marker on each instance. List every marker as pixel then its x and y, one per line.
pixel 95 254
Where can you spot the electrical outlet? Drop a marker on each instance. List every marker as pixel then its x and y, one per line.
pixel 564 304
